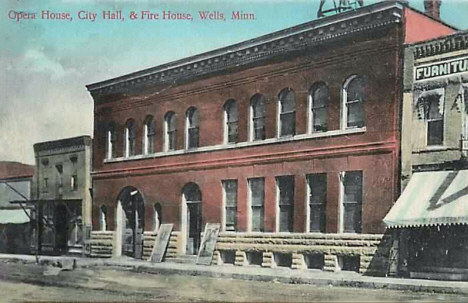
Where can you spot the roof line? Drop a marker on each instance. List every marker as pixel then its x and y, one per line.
pixel 251 42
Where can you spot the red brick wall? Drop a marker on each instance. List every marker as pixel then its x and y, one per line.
pixel 374 152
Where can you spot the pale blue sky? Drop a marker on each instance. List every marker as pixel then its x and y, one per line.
pixel 45 64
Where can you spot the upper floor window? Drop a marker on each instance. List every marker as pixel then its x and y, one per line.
pixel 352 107
pixel 74 182
pixel 287 113
pixel 319 99
pixel 351 219
pixel 231 122
pixel 148 136
pixel 257 114
pixel 130 136
pixel 285 202
pixel 170 131
pixel 192 128
pixel 431 105
pixel 111 138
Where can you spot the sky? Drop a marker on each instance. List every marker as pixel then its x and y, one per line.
pixel 46 63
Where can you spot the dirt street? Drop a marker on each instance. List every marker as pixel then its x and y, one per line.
pixel 22 283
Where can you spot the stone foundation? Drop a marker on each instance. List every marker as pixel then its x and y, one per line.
pixel 101 244
pixel 364 253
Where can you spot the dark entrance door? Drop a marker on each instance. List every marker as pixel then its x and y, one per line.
pixel 193 199
pixel 61 229
pixel 194 227
pixel 133 223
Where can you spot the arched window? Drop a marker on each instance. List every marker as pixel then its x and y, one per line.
pixel 352 108
pixel 231 121
pixel 111 138
pixel 157 216
pixel 287 113
pixel 319 99
pixel 103 218
pixel 130 136
pixel 148 136
pixel 257 114
pixel 170 131
pixel 192 128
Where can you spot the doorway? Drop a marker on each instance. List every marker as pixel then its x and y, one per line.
pixel 61 229
pixel 192 218
pixel 131 221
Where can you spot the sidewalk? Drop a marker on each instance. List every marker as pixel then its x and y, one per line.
pixel 281 275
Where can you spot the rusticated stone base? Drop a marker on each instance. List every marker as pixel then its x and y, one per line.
pixel 370 251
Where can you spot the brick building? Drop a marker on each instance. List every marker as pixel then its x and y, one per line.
pixel 61 192
pixel 431 215
pixel 289 140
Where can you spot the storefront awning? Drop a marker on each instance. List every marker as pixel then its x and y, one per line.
pixel 13 216
pixel 432 198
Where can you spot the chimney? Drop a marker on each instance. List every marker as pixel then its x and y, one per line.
pixel 432 8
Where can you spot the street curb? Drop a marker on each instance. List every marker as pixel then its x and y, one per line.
pixel 287 276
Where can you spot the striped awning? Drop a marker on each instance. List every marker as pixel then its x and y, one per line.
pixel 13 216
pixel 432 198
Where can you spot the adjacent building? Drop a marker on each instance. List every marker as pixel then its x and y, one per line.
pixel 15 218
pixel 62 194
pixel 431 215
pixel 290 141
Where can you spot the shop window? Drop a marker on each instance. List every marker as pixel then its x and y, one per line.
pixel 103 218
pixel 170 131
pixel 192 128
pixel 157 216
pixel 317 197
pixel 111 147
pixel 130 136
pixel 431 105
pixel 231 122
pixel 352 201
pixel 230 204
pixel 257 113
pixel 149 135
pixel 285 197
pixel 319 100
pixel 314 261
pixel 287 113
pixel 257 202
pixel 352 109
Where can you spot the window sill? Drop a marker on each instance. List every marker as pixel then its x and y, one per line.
pixel 332 133
pixel 435 148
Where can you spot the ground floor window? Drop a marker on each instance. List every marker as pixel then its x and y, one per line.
pixel 257 202
pixel 230 202
pixel 285 197
pixel 351 201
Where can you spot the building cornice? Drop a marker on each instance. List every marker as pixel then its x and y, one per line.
pixel 60 145
pixel 438 46
pixel 282 42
